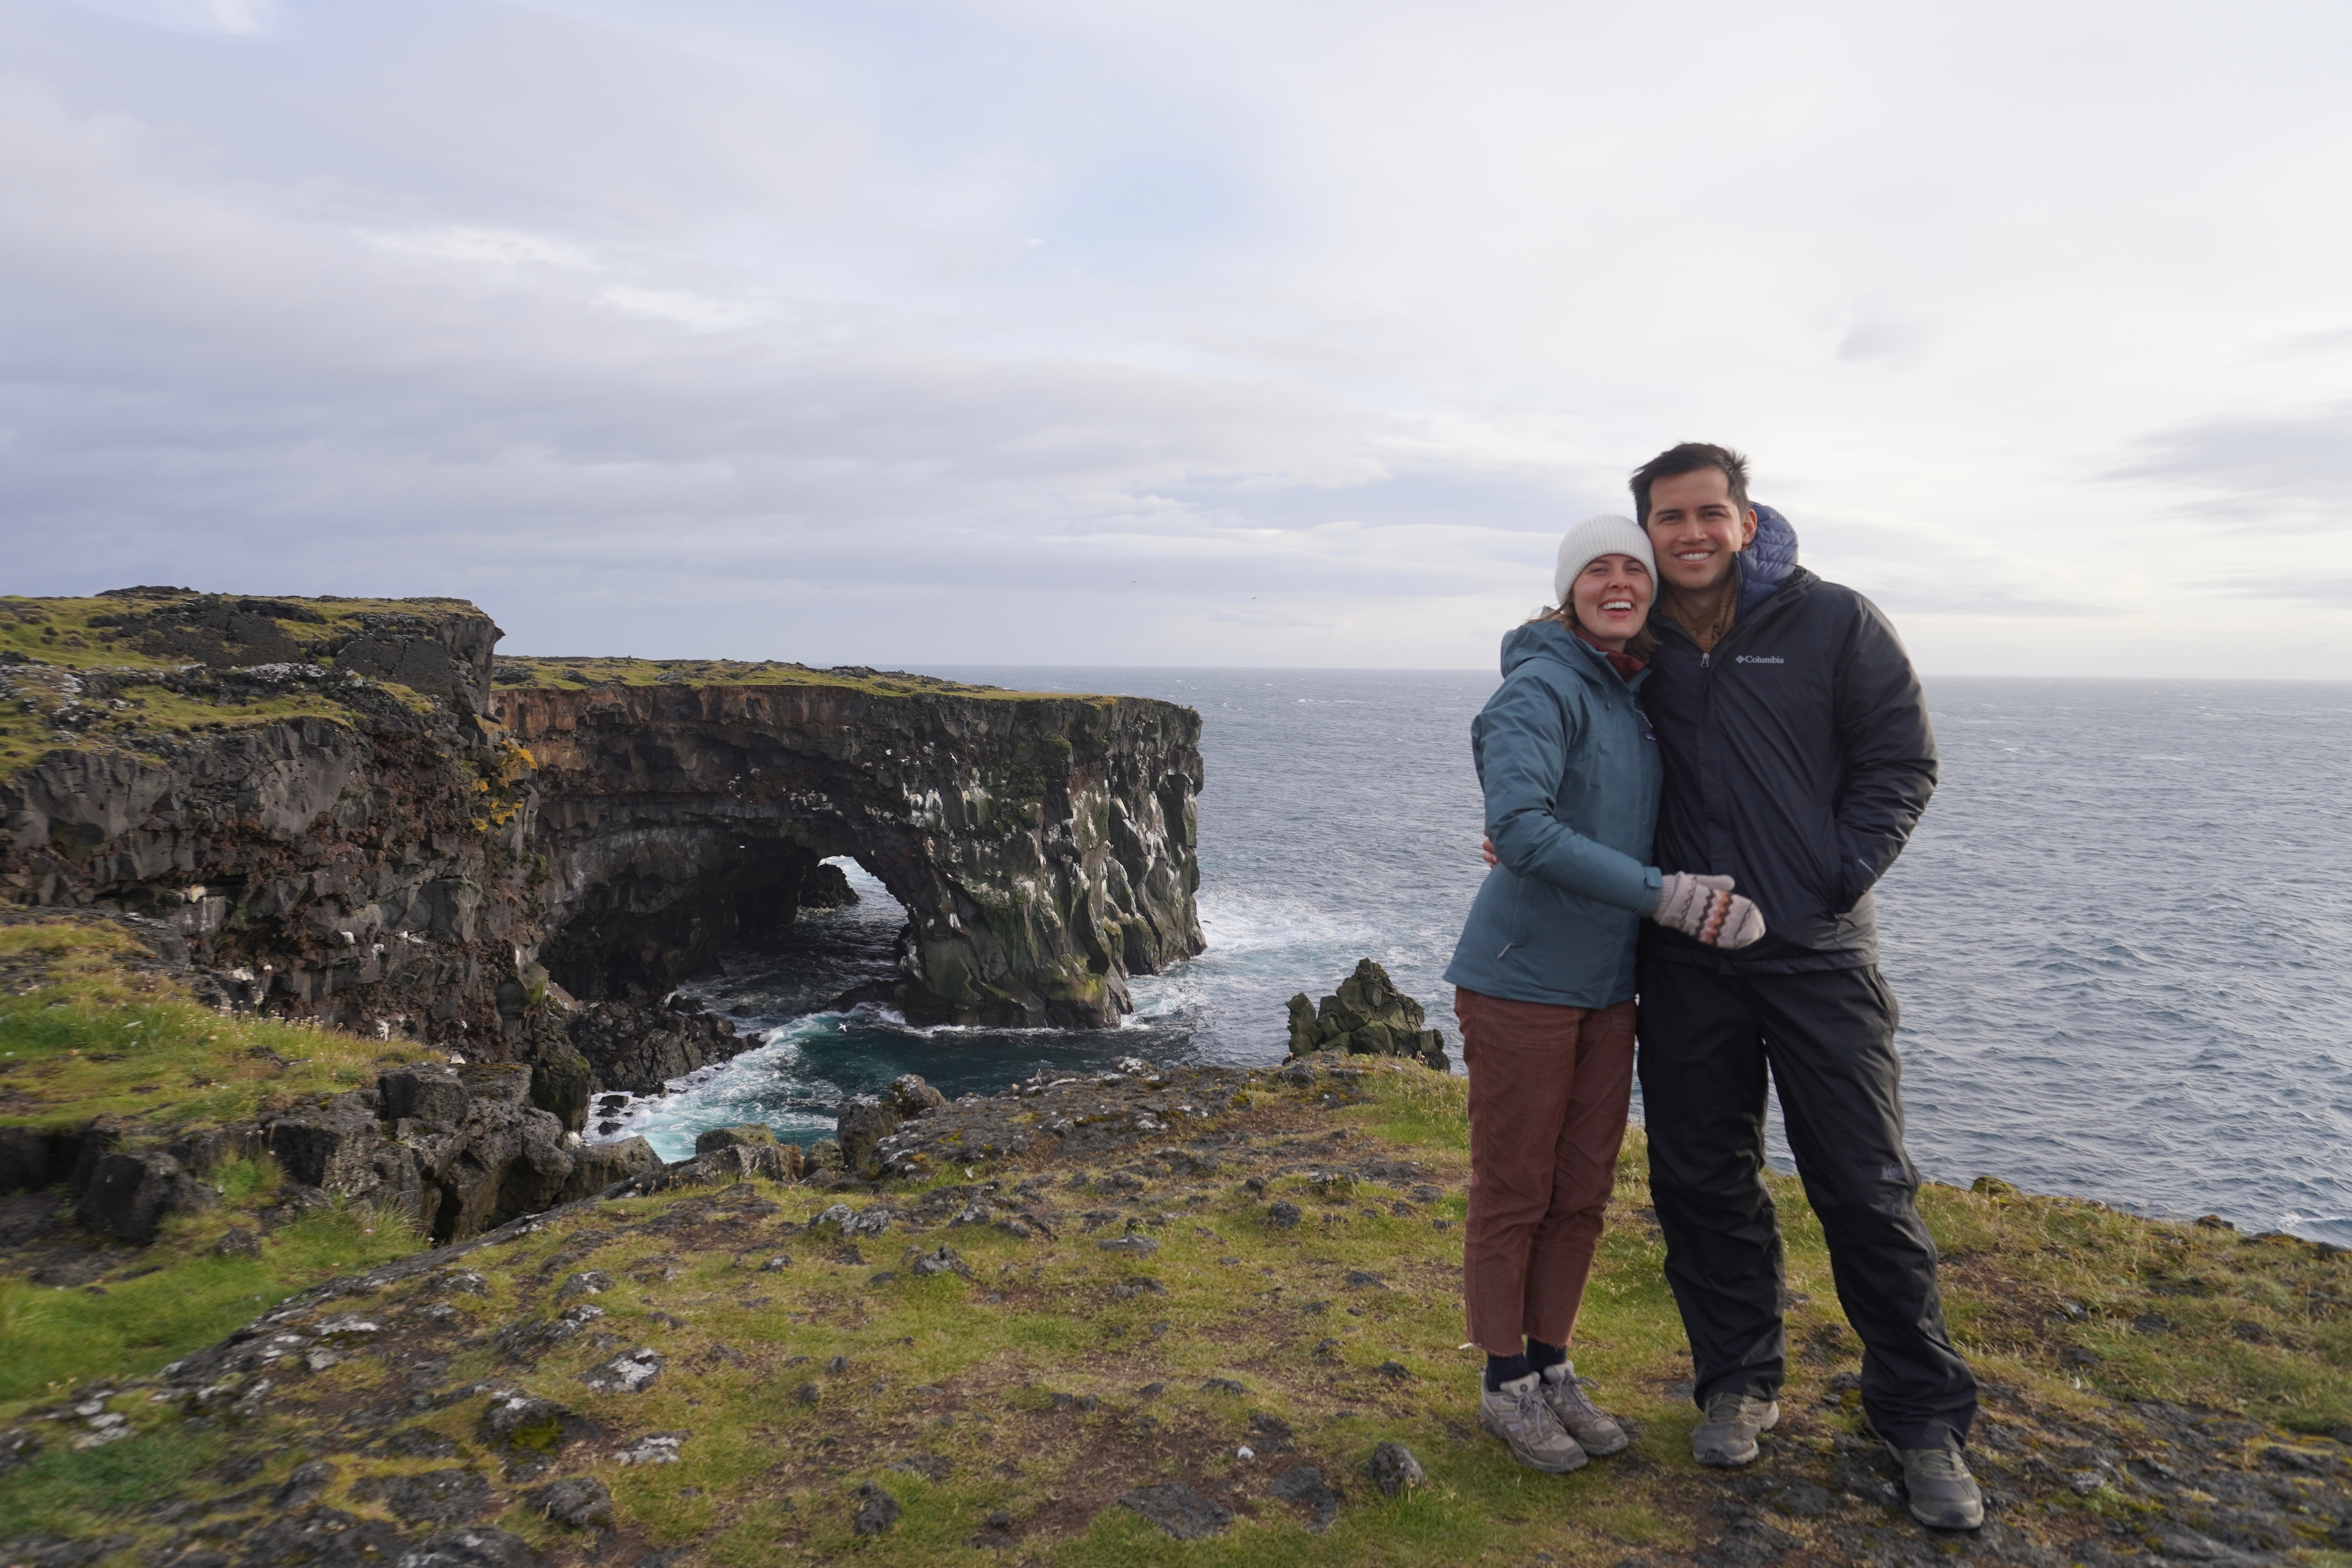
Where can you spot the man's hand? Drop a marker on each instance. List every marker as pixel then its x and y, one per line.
pixel 1707 908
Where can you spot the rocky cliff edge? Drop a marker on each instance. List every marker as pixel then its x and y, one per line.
pixel 350 810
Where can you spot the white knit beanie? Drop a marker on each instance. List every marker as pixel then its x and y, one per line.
pixel 1596 536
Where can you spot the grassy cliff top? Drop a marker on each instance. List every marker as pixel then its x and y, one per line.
pixel 549 672
pixel 80 634
pixel 87 1027
pixel 1271 1285
pixel 53 651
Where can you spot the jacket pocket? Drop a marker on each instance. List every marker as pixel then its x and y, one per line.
pixel 1822 862
pixel 1514 930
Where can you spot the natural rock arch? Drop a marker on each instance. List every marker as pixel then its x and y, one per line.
pixel 1043 848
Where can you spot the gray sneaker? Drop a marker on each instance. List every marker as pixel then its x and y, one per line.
pixel 1725 1433
pixel 1595 1430
pixel 1517 1415
pixel 1943 1495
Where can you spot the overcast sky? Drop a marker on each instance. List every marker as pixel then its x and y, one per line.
pixel 1210 333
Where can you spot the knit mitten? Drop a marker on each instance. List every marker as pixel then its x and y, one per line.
pixel 1707 908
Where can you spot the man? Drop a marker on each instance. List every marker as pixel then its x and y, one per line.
pixel 1798 757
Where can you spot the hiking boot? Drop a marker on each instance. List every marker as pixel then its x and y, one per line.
pixel 1943 1495
pixel 1517 1415
pixel 1725 1433
pixel 1595 1430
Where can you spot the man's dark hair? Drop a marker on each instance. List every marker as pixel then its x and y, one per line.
pixel 1689 458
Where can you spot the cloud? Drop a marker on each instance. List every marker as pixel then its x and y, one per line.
pixel 1026 329
pixel 231 16
pixel 2258 471
pixel 2334 591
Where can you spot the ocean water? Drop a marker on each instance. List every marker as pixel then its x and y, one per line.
pixel 2120 936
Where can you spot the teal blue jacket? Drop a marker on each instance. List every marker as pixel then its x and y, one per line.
pixel 1570 770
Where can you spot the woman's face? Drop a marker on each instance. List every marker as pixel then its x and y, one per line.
pixel 1612 599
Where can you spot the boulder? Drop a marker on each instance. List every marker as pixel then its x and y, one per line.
pixel 599 1165
pixel 430 1093
pixel 205 1149
pixel 826 887
pixel 129 1195
pixel 640 1047
pixel 1368 1016
pixel 25 1165
pixel 861 1126
pixel 507 1160
pixel 330 1146
pixel 536 1174
pixel 560 1083
pixel 496 1083
pixel 748 1134
pixel 1394 1470
pixel 740 1161
pixel 77 1153
pixel 910 1095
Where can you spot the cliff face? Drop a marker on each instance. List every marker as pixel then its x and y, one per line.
pixel 338 844
pixel 1044 846
pixel 337 809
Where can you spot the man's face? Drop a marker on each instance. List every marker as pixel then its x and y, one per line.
pixel 1695 530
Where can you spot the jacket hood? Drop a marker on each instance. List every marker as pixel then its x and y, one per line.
pixel 1549 639
pixel 1772 556
pixel 1769 561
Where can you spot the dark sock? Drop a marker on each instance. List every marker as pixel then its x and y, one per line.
pixel 1543 1357
pixel 1503 1369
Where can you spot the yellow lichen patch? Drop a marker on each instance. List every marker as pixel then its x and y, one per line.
pixel 501 782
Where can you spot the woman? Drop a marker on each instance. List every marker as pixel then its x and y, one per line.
pixel 1544 974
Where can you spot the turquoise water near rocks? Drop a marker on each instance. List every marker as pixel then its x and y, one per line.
pixel 2119 937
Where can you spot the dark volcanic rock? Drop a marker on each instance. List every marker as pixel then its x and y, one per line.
pixel 330 1146
pixel 1308 1487
pixel 1366 1016
pixel 429 1092
pixel 1180 1511
pixel 201 1150
pixel 436 1496
pixel 863 1123
pixel 24 1160
pixel 1392 1467
pixel 580 1502
pixel 680 818
pixel 470 1549
pixel 599 1165
pixel 878 1511
pixel 394 865
pixel 323 1537
pixel 640 1047
pixel 129 1195
pixel 514 1420
pixel 630 1373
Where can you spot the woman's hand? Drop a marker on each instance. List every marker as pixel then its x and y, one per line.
pixel 1703 907
pixel 1707 908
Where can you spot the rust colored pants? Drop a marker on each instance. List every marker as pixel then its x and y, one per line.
pixel 1548 1087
